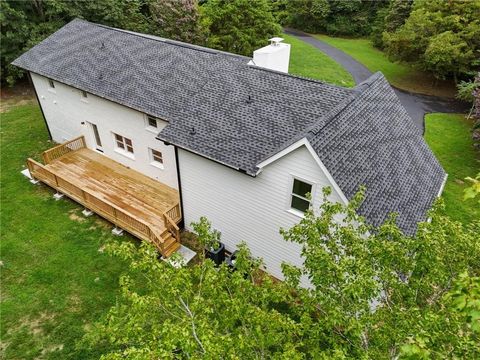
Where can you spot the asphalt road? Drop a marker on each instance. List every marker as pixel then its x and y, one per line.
pixel 417 105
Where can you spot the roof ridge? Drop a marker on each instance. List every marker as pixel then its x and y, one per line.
pixel 337 110
pixel 166 40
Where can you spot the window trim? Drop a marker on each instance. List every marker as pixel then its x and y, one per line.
pixel 310 182
pixel 148 127
pixel 120 139
pixel 82 97
pixel 51 85
pixel 154 162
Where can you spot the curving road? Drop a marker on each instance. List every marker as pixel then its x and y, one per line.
pixel 417 105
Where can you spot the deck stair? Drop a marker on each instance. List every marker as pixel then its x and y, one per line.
pixel 132 201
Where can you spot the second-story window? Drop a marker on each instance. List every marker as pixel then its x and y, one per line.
pixel 51 84
pixel 84 95
pixel 152 122
pixel 124 143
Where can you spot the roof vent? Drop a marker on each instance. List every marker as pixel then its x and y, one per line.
pixel 103 46
pixel 192 131
pixel 249 100
pixel 100 77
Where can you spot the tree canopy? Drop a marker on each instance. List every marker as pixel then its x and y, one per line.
pixel 373 293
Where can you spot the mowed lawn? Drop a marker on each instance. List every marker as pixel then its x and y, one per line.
pixel 400 75
pixel 56 281
pixel 306 60
pixel 449 136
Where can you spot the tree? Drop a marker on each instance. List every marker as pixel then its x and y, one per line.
pixel 389 19
pixel 238 26
pixel 439 36
pixel 373 293
pixel 176 19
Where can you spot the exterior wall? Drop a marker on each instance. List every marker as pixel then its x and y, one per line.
pixel 250 209
pixel 65 110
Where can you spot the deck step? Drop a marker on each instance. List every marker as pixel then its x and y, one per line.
pixel 171 249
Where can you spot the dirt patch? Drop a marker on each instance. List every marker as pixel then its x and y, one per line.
pixel 74 303
pixel 49 349
pixel 75 217
pixel 34 326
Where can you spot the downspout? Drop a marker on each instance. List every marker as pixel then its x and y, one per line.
pixel 182 222
pixel 39 104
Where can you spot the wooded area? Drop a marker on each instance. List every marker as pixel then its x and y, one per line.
pixel 442 37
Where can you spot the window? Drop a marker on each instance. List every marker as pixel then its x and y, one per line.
pixel 51 84
pixel 124 143
pixel 157 156
pixel 84 94
pixel 299 195
pixel 152 122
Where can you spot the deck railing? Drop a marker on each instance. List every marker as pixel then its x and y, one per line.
pixel 174 213
pixel 62 149
pixel 104 208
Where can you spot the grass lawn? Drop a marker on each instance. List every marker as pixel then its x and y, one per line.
pixel 449 136
pixel 305 60
pixel 402 76
pixel 55 279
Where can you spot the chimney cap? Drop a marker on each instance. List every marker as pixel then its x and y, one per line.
pixel 275 41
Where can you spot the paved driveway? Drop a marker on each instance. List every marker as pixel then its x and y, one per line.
pixel 417 105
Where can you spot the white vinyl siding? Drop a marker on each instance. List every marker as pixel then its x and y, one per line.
pixel 250 209
pixel 68 118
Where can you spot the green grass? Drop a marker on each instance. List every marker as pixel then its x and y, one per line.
pixel 55 281
pixel 402 76
pixel 449 137
pixel 306 60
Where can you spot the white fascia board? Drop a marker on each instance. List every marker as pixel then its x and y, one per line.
pixel 443 185
pixel 306 143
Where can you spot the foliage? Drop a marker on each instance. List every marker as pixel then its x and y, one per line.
pixel 389 19
pixel 209 238
pixel 238 26
pixel 476 113
pixel 371 293
pixel 439 36
pixel 336 17
pixel 466 89
pixel 55 281
pixel 177 20
pixel 472 191
pixel 308 61
pixel 448 135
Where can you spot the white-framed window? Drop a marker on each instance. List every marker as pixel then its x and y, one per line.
pixel 300 191
pixel 123 143
pixel 151 124
pixel 84 95
pixel 156 158
pixel 51 84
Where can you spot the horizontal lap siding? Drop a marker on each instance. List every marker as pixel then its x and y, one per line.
pixel 65 111
pixel 249 209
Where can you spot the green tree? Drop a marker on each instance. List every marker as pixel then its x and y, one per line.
pixel 389 19
pixel 238 26
pixel 176 19
pixel 440 36
pixel 371 293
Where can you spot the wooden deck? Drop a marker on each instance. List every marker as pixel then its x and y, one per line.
pixel 142 206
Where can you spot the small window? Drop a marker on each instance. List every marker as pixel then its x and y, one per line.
pixel 152 122
pixel 84 94
pixel 124 143
pixel 299 195
pixel 51 84
pixel 157 156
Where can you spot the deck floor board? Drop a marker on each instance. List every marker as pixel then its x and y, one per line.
pixel 111 181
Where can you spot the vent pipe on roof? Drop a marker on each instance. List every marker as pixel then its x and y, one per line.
pixel 275 56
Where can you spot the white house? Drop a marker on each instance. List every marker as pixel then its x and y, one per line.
pixel 240 139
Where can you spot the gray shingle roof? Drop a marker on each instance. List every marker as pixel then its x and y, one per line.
pixel 238 115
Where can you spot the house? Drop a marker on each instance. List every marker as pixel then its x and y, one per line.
pixel 233 141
